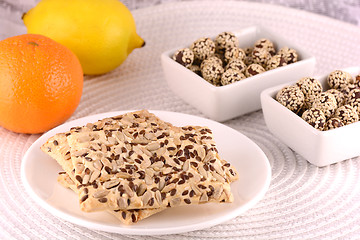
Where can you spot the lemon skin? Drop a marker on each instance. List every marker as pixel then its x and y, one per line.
pixel 101 33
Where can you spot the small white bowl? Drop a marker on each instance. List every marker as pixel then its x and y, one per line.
pixel 226 102
pixel 320 148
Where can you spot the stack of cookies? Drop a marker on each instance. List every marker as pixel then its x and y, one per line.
pixel 135 165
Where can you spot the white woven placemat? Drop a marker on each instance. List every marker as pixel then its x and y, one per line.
pixel 303 202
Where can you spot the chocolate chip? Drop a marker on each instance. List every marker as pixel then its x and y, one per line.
pixel 151 201
pixel 192 193
pixel 83 198
pixel 173 192
pixel 79 178
pixel 133 218
pixel 182 181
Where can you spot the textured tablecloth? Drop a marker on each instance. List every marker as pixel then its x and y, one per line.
pixel 303 201
pixel 345 10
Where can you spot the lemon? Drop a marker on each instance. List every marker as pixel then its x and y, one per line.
pixel 101 33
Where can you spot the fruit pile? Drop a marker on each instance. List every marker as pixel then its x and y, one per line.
pixel 42 71
pixel 324 110
pixel 222 61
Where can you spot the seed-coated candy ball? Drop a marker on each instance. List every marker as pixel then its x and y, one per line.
pixel 315 117
pixel 231 76
pixel 291 97
pixel 236 64
pixel 260 56
pixel 265 44
pixel 333 123
pixel 340 98
pixel 339 79
pixel 211 60
pixel 203 48
pixel 347 114
pixel 326 102
pixel 275 62
pixel 234 52
pixel 289 54
pixel 184 56
pixel 212 73
pixel 254 69
pixel 353 99
pixel 226 40
pixel 311 87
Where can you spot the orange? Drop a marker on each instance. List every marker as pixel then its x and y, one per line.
pixel 41 83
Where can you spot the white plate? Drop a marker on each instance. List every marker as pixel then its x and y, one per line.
pixel 39 173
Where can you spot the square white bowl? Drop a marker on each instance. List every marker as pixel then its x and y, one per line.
pixel 226 102
pixel 320 148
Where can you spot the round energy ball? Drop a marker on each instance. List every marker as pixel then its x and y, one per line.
pixel 311 87
pixel 275 62
pixel 333 123
pixel 234 52
pixel 265 44
pixel 340 97
pixel 353 99
pixel 212 73
pixel 236 64
pixel 184 56
pixel 226 40
pixel 326 102
pixel 253 69
pixel 289 54
pixel 291 97
pixel 196 69
pixel 281 91
pixel 315 117
pixel 231 76
pixel 203 48
pixel 347 114
pixel 260 56
pixel 339 79
pixel 211 60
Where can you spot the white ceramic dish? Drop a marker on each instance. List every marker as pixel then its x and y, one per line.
pixel 226 102
pixel 39 173
pixel 320 148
